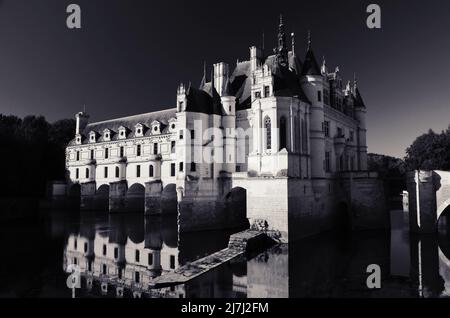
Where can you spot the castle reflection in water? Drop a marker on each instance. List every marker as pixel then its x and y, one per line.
pixel 120 256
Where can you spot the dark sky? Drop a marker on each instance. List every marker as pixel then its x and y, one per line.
pixel 129 56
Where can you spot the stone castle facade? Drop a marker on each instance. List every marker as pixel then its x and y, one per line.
pixel 299 167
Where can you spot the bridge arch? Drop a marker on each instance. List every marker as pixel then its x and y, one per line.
pixel 135 198
pixel 443 220
pixel 236 205
pixel 102 198
pixel 169 201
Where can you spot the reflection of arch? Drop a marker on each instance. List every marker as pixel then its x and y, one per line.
pixel 236 205
pixel 135 199
pixel 169 200
pixel 102 198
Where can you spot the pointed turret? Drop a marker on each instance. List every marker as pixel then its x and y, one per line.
pixel 310 66
pixel 204 80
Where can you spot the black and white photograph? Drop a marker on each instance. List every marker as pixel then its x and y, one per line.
pixel 238 150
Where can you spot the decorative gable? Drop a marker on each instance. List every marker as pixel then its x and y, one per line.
pixel 107 133
pixel 139 130
pixel 92 137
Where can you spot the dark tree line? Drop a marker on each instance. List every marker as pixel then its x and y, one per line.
pixel 32 153
pixel 431 151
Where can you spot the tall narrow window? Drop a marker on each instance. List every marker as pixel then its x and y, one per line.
pixel 193 167
pixel 106 153
pixel 319 96
pixel 304 136
pixel 138 171
pixel 172 146
pixel 155 148
pixel 172 261
pixel 106 172
pixel 121 152
pixel 172 170
pixel 104 250
pixel 117 172
pixel 87 173
pixel 327 161
pixel 85 247
pixel 150 259
pixel 116 253
pixel 78 156
pixel 266 91
pixel 326 128
pixel 192 134
pixel 138 150
pixel 151 173
pixel 181 167
pixel 283 133
pixel 92 154
pixel 77 173
pixel 137 277
pixel 137 256
pixel 105 269
pixel 268 127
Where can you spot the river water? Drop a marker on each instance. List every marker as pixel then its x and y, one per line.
pixel 118 256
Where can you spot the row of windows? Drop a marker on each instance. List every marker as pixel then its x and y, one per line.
pixel 339 131
pixel 266 92
pixel 122 151
pixel 138 171
pixel 283 133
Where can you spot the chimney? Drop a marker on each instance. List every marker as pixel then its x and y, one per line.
pixel 82 120
pixel 221 73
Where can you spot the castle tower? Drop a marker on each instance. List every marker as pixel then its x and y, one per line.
pixel 82 119
pixel 229 128
pixel 312 84
pixel 360 115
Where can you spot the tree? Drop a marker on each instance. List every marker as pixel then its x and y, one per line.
pixel 430 151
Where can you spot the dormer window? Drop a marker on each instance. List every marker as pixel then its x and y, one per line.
pixel 172 124
pixel 156 127
pixel 78 140
pixel 107 135
pixel 122 132
pixel 139 130
pixel 92 136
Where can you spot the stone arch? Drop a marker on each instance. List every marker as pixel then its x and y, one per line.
pixel 169 201
pixel 444 205
pixel 236 205
pixel 443 220
pixel 102 198
pixel 135 198
pixel 74 194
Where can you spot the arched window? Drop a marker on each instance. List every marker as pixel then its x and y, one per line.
pixel 268 127
pixel 117 172
pixel 283 133
pixel 151 171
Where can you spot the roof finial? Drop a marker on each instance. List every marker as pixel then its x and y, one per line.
pixel 263 44
pixel 324 66
pixel 309 40
pixel 293 42
pixel 84 108
pixel 355 82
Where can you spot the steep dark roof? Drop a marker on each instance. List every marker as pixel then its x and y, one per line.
pixel 241 85
pixel 205 101
pixel 146 119
pixel 358 99
pixel 286 83
pixel 310 66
